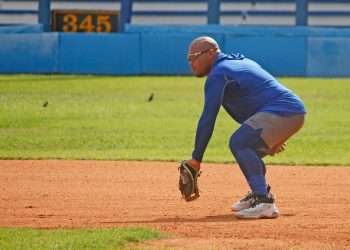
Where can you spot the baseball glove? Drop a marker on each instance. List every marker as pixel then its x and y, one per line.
pixel 188 184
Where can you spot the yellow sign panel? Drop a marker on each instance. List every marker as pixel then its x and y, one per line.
pixel 85 21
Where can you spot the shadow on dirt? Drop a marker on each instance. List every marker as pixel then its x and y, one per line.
pixel 213 218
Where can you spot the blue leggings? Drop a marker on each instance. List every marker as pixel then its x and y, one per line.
pixel 245 144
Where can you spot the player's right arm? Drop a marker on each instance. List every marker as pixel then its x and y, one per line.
pixel 214 89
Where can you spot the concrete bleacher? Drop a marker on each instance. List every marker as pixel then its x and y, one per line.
pixel 193 12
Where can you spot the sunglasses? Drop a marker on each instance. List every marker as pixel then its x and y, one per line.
pixel 194 55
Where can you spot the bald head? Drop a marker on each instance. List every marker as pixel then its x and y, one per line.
pixel 203 43
pixel 202 54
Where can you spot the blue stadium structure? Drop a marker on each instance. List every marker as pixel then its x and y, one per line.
pixel 288 37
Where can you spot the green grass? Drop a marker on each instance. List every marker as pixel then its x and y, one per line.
pixel 90 117
pixel 18 239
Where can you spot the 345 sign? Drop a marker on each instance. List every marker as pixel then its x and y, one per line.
pixel 85 21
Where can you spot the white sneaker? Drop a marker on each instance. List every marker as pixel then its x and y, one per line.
pixel 247 201
pixel 244 203
pixel 263 207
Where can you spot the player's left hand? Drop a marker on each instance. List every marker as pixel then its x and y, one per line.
pixel 194 163
pixel 188 184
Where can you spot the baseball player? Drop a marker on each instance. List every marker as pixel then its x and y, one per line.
pixel 269 114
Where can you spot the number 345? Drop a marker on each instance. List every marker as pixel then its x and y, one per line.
pixel 71 24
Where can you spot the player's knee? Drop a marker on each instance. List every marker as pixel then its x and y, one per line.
pixel 245 137
pixel 236 142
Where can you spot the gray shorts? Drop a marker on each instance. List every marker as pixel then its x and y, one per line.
pixel 276 129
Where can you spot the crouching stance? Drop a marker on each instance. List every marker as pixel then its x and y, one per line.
pixel 269 114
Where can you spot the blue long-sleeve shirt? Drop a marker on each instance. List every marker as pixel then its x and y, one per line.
pixel 243 88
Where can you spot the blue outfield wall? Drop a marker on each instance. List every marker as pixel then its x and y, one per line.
pixel 29 53
pixel 145 50
pixel 99 54
pixel 328 56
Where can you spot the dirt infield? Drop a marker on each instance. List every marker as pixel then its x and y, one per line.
pixel 314 203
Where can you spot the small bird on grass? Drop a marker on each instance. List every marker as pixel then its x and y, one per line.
pixel 150 98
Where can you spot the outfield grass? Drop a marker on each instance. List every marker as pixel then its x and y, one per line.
pixel 90 117
pixel 24 239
